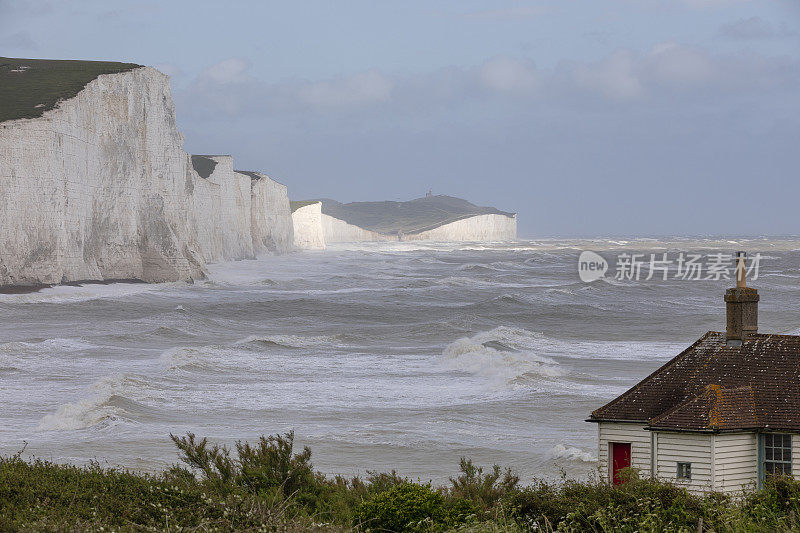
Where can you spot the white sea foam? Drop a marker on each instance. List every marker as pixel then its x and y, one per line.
pixel 291 341
pixel 98 408
pixel 50 345
pixel 570 453
pixel 90 291
pixel 186 357
pixel 502 355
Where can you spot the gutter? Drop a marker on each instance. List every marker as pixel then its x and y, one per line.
pixel 618 421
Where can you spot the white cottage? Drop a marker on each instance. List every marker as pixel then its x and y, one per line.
pixel 721 416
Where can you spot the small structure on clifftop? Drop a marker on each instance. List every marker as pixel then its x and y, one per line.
pixel 721 416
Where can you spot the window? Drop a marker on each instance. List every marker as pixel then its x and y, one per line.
pixel 684 470
pixel 776 454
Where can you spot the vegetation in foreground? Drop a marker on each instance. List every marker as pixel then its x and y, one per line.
pixel 270 486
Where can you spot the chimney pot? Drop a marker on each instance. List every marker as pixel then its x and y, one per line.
pixel 741 305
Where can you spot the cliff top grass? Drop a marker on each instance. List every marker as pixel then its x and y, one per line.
pixel 409 217
pixel 297 204
pixel 29 87
pixel 203 165
pixel 252 174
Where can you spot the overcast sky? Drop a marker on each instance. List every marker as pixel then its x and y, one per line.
pixel 613 117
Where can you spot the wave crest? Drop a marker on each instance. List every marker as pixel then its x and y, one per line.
pixel 192 357
pixel 504 355
pixel 107 404
pixel 570 453
pixel 290 341
pixel 57 344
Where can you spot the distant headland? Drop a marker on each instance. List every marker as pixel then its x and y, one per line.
pixel 431 218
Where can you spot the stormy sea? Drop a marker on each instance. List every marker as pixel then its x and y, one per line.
pixel 401 356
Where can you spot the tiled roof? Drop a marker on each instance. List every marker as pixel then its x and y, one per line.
pixel 712 386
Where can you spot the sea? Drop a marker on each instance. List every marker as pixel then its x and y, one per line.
pixel 378 356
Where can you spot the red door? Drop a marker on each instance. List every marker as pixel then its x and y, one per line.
pixel 621 458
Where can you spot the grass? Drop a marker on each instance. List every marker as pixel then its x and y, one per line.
pixel 272 486
pixel 203 165
pixel 297 204
pixel 29 87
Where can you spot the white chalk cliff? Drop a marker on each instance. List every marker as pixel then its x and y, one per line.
pixel 270 215
pixel 335 230
pixel 100 188
pixel 307 223
pixel 436 219
pixel 486 228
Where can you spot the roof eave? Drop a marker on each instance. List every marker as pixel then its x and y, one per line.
pixel 615 420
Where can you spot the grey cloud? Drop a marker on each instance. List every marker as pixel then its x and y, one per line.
pixel 624 76
pixel 359 89
pixel 753 28
pixel 231 70
pixel 507 74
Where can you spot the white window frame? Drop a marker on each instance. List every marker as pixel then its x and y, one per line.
pixel 684 470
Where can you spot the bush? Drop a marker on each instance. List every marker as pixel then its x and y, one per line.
pixel 406 507
pixel 270 464
pixel 485 490
pixel 268 486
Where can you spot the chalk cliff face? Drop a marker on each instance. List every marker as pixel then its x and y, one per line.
pixel 335 230
pixel 307 222
pixel 432 218
pixel 477 228
pixel 95 188
pixel 220 205
pixel 313 230
pixel 100 188
pixel 270 216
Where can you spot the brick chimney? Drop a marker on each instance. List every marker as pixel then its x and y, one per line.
pixel 741 303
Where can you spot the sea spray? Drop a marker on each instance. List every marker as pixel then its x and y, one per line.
pixel 503 356
pixel 99 406
pixel 570 453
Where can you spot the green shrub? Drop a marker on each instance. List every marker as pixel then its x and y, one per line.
pixel 485 490
pixel 269 464
pixel 269 487
pixel 406 507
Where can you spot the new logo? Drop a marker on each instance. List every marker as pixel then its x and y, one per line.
pixel 591 266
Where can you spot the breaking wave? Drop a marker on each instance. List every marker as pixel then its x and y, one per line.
pixel 50 345
pixel 290 341
pixel 504 355
pixel 108 403
pixel 193 357
pixel 87 291
pixel 570 453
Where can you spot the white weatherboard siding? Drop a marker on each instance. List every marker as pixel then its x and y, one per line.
pixel 796 455
pixel 692 448
pixel 624 432
pixel 736 461
pixel 307 227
